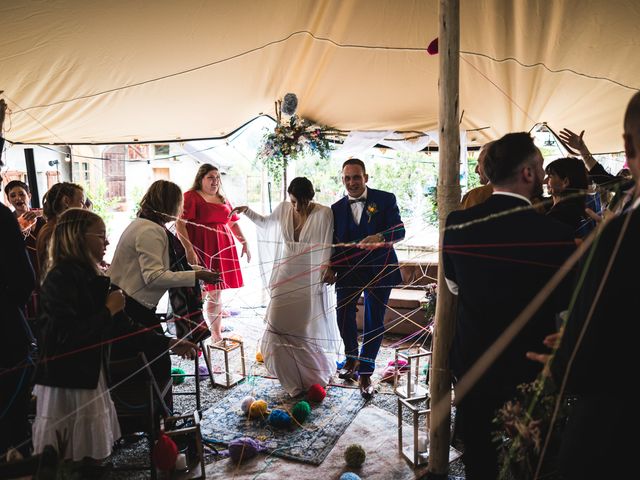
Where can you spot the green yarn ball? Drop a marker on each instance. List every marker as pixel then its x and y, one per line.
pixel 355 455
pixel 177 374
pixel 301 411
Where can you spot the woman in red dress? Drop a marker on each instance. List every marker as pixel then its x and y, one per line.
pixel 207 235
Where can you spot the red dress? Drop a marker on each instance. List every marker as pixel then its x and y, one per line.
pixel 212 238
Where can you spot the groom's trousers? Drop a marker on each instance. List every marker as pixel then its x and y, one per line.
pixel 375 305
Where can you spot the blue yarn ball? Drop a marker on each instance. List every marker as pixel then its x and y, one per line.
pixel 349 476
pixel 279 419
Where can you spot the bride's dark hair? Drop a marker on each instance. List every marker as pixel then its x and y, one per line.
pixel 302 189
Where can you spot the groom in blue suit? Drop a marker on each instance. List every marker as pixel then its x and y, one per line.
pixel 369 221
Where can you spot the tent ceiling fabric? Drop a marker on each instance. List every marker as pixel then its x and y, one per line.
pixel 355 65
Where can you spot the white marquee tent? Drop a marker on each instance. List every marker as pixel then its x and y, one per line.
pixel 84 71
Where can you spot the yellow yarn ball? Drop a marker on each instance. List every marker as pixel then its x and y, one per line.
pixel 258 409
pixel 259 357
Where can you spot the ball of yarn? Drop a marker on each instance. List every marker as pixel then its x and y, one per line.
pixel 259 357
pixel 243 449
pixel 165 453
pixel 279 419
pixel 389 373
pixel 203 371
pixel 177 374
pixel 402 365
pixel 258 409
pixel 355 455
pixel 245 404
pixel 316 393
pixel 301 411
pixel 349 476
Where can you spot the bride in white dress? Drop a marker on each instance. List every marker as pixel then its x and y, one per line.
pixel 301 340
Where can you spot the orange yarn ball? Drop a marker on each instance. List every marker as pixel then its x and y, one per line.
pixel 259 357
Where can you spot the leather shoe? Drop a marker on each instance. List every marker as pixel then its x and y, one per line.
pixel 366 387
pixel 350 370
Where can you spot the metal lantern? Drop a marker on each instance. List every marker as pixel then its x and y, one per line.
pixel 228 348
pixel 186 429
pixel 412 388
pixel 417 451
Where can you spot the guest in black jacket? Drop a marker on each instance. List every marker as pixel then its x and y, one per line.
pixel 17 281
pixel 567 184
pixel 597 354
pixel 497 256
pixel 77 321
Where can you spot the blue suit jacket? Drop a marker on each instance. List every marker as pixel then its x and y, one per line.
pixel 357 267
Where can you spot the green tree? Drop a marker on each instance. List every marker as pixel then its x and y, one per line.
pixel 101 204
pixel 412 177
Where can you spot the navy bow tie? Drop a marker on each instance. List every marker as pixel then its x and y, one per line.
pixel 356 200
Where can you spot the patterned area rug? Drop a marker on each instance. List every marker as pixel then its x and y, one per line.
pixel 374 429
pixel 310 443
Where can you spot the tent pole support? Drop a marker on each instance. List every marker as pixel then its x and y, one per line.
pixel 448 200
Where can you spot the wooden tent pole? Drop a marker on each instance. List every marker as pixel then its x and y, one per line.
pixel 448 200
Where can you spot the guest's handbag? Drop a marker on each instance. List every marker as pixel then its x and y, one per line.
pixel 186 302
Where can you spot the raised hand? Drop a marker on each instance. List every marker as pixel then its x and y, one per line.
pixel 241 209
pixel 573 140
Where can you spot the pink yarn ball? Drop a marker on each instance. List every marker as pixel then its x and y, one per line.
pixel 316 393
pixel 388 373
pixel 402 365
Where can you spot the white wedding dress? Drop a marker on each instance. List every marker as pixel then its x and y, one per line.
pixel 301 340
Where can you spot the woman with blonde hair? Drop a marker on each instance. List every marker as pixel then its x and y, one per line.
pixel 208 238
pixel 77 316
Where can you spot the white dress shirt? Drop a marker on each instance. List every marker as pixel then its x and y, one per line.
pixel 141 265
pixel 358 207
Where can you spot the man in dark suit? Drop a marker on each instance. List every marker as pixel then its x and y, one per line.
pixel 597 333
pixel 497 256
pixel 369 220
pixel 17 281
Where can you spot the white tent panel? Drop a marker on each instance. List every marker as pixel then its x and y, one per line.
pixel 78 71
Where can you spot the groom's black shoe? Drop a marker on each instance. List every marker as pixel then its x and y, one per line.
pixel 350 370
pixel 366 387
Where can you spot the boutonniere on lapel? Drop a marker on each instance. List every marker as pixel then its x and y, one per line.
pixel 372 209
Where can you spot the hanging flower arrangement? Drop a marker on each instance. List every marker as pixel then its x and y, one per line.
pixel 292 138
